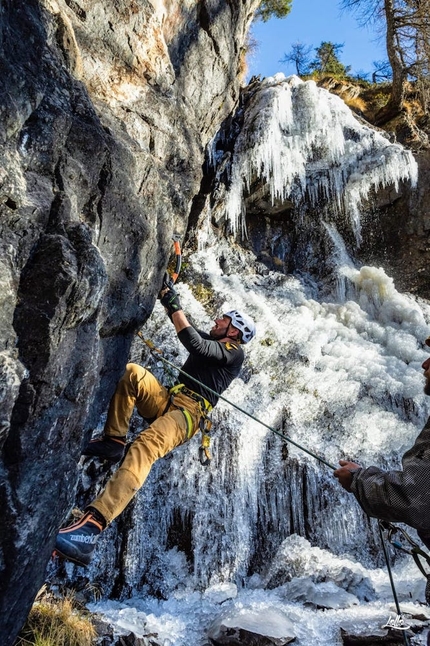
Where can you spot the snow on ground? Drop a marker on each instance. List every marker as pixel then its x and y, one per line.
pixel 183 619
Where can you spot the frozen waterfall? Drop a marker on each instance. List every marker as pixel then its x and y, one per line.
pixel 307 146
pixel 340 376
pixel 342 379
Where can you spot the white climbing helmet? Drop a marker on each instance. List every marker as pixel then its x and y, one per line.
pixel 243 323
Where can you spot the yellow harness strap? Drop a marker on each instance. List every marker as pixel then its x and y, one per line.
pixel 189 421
pixel 205 423
pixel 205 406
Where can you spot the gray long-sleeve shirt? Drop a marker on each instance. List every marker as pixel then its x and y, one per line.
pixel 213 363
pixel 399 496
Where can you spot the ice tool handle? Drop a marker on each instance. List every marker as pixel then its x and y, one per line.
pixel 170 280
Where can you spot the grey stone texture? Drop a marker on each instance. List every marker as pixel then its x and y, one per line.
pixel 105 111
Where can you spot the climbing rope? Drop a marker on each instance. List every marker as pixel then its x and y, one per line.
pixel 152 347
pixel 397 623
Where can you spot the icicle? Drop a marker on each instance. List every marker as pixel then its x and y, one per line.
pixel 305 142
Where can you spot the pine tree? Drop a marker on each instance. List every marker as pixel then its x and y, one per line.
pixel 273 9
pixel 327 60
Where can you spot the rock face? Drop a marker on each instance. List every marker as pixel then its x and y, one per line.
pixel 398 239
pixel 106 108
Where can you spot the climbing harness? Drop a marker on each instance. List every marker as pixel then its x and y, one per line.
pixel 396 623
pixel 205 423
pixel 204 405
pixel 159 352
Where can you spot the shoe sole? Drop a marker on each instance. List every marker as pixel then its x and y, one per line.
pixel 102 458
pixel 58 552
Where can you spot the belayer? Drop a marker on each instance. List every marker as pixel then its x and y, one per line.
pixel 175 416
pixel 401 496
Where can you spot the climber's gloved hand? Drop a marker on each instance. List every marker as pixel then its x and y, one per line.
pixel 170 301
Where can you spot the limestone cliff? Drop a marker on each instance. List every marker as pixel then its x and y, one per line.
pixel 106 108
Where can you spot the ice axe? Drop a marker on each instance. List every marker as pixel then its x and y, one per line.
pixel 170 280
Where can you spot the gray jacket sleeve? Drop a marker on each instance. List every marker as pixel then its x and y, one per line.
pixel 399 496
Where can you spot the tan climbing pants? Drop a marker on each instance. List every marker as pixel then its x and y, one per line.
pixel 173 427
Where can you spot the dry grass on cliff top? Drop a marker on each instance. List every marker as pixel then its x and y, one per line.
pixel 56 622
pixel 411 125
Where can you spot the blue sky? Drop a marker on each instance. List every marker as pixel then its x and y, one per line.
pixel 311 22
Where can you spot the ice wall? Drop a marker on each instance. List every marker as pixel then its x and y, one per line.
pixel 309 148
pixel 342 379
pixel 341 376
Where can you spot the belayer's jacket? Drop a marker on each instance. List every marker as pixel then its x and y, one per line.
pixel 400 496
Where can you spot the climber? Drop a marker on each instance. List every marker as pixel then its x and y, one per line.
pixel 401 496
pixel 175 415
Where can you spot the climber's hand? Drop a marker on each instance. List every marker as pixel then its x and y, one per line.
pixel 169 299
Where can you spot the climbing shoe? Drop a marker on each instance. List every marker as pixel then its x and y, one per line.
pixel 106 448
pixel 77 542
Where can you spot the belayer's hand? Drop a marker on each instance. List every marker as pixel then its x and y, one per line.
pixel 346 473
pixel 170 301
